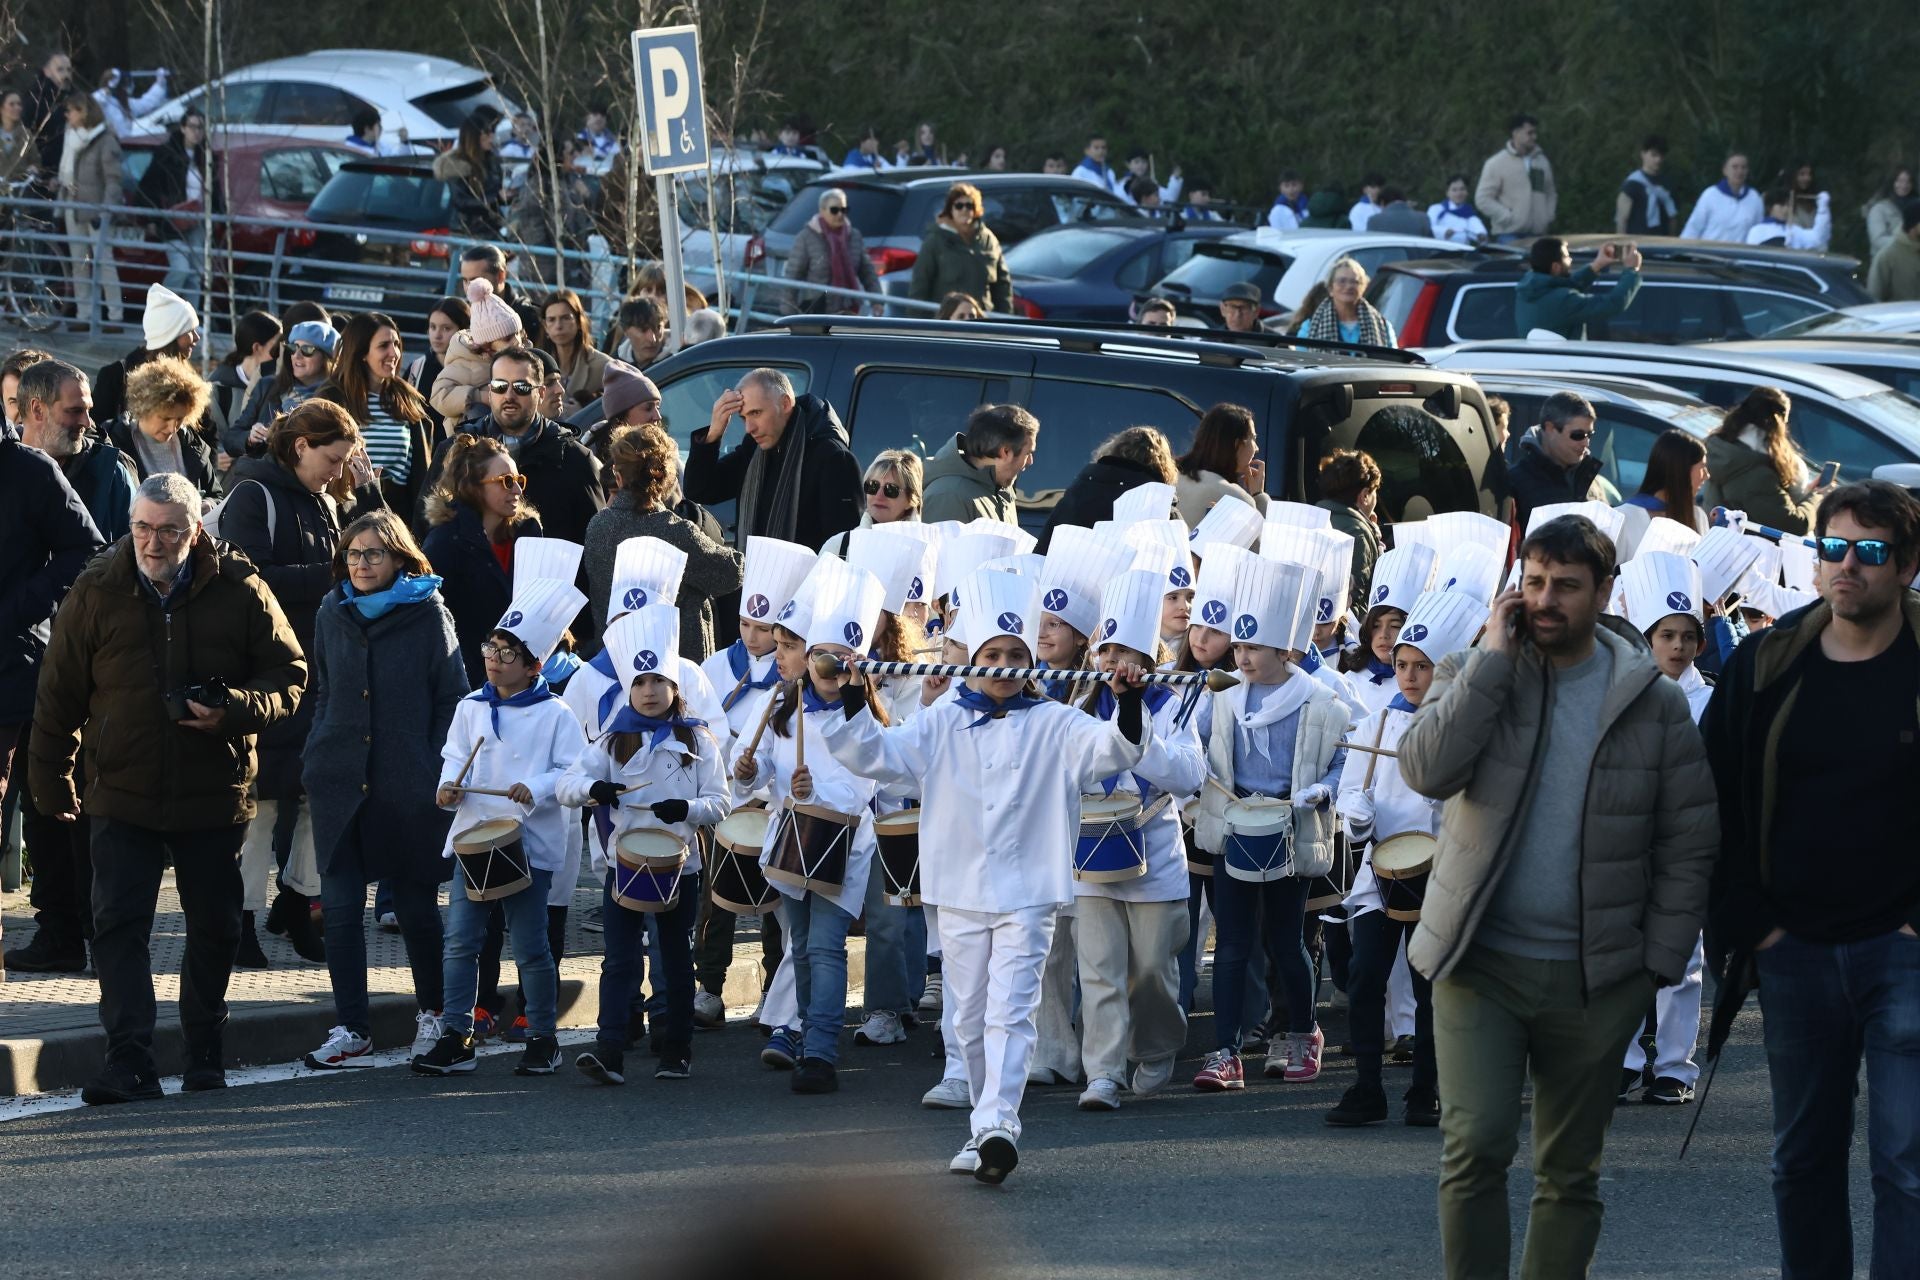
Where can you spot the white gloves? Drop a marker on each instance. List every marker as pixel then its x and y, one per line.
pixel 1312 797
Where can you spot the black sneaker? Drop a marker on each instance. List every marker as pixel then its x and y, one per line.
pixel 1403 1049
pixel 636 1028
pixel 1365 1103
pixel 541 1058
pixel 1423 1108
pixel 451 1053
pixel 48 955
pixel 603 1064
pixel 815 1075
pixel 250 956
pixel 201 1079
pixel 1629 1081
pixel 673 1069
pixel 1254 1039
pixel 121 1084
pixel 1666 1091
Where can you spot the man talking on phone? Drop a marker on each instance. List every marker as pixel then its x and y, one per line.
pixel 1555 297
pixel 1569 883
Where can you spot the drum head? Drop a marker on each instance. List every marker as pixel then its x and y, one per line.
pixel 904 823
pixel 486 835
pixel 1259 815
pixel 1116 808
pixel 650 847
pixel 1403 856
pixel 743 830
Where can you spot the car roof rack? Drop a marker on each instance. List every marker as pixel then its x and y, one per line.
pixel 1214 346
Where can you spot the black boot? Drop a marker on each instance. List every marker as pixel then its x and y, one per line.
pixel 205 1067
pixel 48 953
pixel 295 919
pixel 250 956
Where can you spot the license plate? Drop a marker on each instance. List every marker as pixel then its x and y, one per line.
pixel 353 293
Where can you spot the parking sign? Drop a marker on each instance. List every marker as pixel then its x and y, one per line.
pixel 673 110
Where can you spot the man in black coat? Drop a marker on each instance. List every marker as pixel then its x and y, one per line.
pixel 794 476
pixel 1554 462
pixel 45 106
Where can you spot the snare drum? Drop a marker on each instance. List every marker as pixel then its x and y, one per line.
pixel 1259 843
pixel 492 860
pixel 1111 847
pixel 1331 889
pixel 739 885
pixel 1401 864
pixel 898 835
pixel 1199 861
pixel 811 848
pixel 646 869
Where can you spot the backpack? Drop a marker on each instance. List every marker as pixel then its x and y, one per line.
pixel 211 521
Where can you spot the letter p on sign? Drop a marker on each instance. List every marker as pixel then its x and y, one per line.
pixel 673 113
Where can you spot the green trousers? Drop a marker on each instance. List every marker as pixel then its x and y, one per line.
pixel 1498 1019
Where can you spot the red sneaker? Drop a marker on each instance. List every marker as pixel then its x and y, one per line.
pixel 1221 1071
pixel 1303 1057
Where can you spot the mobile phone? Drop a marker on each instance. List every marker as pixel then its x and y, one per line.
pixel 1829 473
pixel 1517 622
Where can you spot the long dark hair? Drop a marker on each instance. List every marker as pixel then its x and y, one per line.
pixel 1759 411
pixel 253 328
pixel 1669 477
pixel 1216 442
pixel 349 373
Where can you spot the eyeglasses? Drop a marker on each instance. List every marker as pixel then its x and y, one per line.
pixel 966 208
pixel 171 534
pixel 307 350
pixel 874 486
pixel 835 209
pixel 504 654
pixel 519 387
pixel 369 556
pixel 511 480
pixel 1871 551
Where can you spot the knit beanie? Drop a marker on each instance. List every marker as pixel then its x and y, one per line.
pixel 623 387
pixel 168 315
pixel 492 319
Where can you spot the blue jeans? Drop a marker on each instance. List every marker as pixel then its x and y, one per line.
pixel 624 937
pixel 1198 887
pixel 887 979
pixel 343 902
pixel 916 957
pixel 1826 1007
pixel 467 933
pixel 1236 904
pixel 817 937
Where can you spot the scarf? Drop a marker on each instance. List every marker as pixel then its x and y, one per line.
pixel 516 444
pixel 1325 324
pixel 1647 502
pixel 560 667
pixel 740 662
pixel 1281 701
pixel 1727 191
pixel 1660 205
pixel 533 694
pixel 783 515
pixel 77 141
pixel 1464 212
pixel 603 663
pixel 631 721
pixel 409 588
pixel 1400 703
pixel 840 269
pixel 811 701
pixel 991 708
pixel 1379 672
pixel 1310 660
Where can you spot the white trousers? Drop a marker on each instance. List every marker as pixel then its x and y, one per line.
pixel 256 856
pixel 95 275
pixel 780 1007
pixel 1676 1012
pixel 956 1067
pixel 1129 983
pixel 992 964
pixel 1058 1049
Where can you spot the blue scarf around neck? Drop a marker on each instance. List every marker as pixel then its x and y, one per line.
pixel 1647 502
pixel 407 589
pixel 991 708
pixel 1379 672
pixel 533 694
pixel 630 721
pixel 1729 192
pixel 740 662
pixel 1400 703
pixel 1448 209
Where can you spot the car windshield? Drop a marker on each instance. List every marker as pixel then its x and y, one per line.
pixel 1895 412
pixel 1061 254
pixel 1213 267
pixel 407 198
pixel 875 210
pixel 449 108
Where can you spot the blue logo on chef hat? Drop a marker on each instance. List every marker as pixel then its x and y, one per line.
pixel 1108 627
pixel 854 635
pixel 1193 533
pixel 1414 634
pixel 1180 577
pixel 955 597
pixel 1380 593
pixel 786 611
pixel 1326 609
pixel 1010 623
pixel 1679 602
pixel 1448 585
pixel 513 619
pixel 646 660
pixel 917 591
pixel 1245 627
pixel 1056 601
pixel 1213 612
pixel 635 598
pixel 757 606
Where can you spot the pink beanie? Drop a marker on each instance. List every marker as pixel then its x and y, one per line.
pixel 492 319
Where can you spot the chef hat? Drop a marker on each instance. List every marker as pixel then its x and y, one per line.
pixel 1399 577
pixel 1130 611
pixel 1777 602
pixel 1027 565
pixel 774 571
pixel 1797 562
pixel 1078 566
pixel 1023 541
pixel 1270 603
pixel 998 604
pixel 1150 501
pixel 536 558
pixel 645 642
pixel 1165 533
pixel 1471 569
pixel 1659 583
pixel 1448 529
pixel 1604 517
pixel 645 571
pixel 1664 534
pixel 1230 521
pixel 1443 622
pixel 1213 586
pixel 944 529
pixel 891 557
pixel 1300 515
pixel 1724 557
pixel 1328 552
pixel 540 613
pixel 1765 569
pixel 960 556
pixel 844 605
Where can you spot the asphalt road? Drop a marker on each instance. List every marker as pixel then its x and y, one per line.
pixel 377 1172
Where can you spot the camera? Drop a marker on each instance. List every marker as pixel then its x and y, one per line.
pixel 208 693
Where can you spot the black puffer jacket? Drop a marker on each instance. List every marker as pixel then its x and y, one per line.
pixel 474 588
pixel 1538 481
pixel 49 538
pixel 1091 496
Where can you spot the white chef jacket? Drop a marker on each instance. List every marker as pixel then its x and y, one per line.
pixel 535 745
pixel 670 772
pixel 1386 807
pixel 722 678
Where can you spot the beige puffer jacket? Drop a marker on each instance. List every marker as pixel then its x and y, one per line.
pixel 1652 826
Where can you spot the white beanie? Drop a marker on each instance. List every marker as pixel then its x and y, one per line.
pixel 168 315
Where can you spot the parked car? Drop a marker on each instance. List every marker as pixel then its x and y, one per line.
pixel 1835 276
pixel 1284 266
pixel 1836 416
pixel 1444 300
pixel 1630 414
pixel 1094 271
pixel 1314 250
pixel 1861 321
pixel 911 383
pixel 1892 362
pixel 749 189
pixel 380 259
pixel 315 95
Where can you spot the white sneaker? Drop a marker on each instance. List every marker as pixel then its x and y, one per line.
pixel 1279 1054
pixel 881 1027
pixel 1150 1077
pixel 1101 1094
pixel 948 1095
pixel 967 1161
pixel 708 1011
pixel 998 1156
pixel 342 1049
pixel 389 922
pixel 930 998
pixel 427 1033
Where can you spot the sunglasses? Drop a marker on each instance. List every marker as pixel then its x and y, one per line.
pixel 966 208
pixel 519 387
pixel 835 209
pixel 1579 435
pixel 508 481
pixel 874 486
pixel 1871 551
pixel 307 350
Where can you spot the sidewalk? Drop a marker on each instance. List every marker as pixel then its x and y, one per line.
pixel 50 1035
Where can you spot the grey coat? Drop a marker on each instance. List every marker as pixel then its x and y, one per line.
pixel 713 569
pixel 384 693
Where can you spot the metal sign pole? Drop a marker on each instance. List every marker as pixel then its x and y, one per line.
pixel 670 261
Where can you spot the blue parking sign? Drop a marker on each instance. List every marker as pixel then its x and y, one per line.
pixel 673 109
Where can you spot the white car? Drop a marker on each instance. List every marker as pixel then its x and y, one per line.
pixel 749 189
pixel 1868 317
pixel 1313 251
pixel 316 95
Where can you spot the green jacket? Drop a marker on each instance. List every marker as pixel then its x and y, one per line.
pixel 948 264
pixel 1744 479
pixel 1562 303
pixel 955 489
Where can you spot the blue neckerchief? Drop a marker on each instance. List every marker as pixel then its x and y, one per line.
pixel 534 693
pixel 1310 661
pixel 1729 192
pixel 1647 502
pixel 603 663
pixel 739 661
pixel 1400 703
pixel 1298 204
pixel 989 709
pixel 1379 672
pixel 631 721
pixel 560 667
pixel 407 589
pixel 1449 209
pixel 811 701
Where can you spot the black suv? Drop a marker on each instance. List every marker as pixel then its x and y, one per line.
pixel 910 384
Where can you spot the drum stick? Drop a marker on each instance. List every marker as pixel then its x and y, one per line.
pixel 1224 790
pixel 469 764
pixel 799 733
pixel 827 664
pixel 774 699
pixel 635 787
pixel 1372 751
pixel 1379 731
pixel 481 791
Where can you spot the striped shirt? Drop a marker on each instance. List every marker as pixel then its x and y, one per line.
pixel 389 442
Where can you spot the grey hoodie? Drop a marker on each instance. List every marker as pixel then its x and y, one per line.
pixel 958 490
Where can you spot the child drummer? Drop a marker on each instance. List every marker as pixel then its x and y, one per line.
pixel 774 571
pixel 1400 576
pixel 1001 769
pixel 1376 803
pixel 526 737
pixel 657 768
